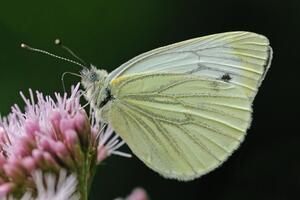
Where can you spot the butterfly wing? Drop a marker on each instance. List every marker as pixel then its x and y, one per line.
pixel 241 57
pixel 181 126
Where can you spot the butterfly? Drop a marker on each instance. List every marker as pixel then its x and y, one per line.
pixel 183 108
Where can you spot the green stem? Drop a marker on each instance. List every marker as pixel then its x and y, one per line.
pixel 84 181
pixel 87 173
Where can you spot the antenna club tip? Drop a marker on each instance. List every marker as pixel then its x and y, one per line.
pixel 23 45
pixel 57 41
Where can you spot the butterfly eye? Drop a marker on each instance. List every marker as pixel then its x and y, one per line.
pixel 93 77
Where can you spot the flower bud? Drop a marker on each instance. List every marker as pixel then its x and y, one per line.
pixel 29 164
pixel 6 188
pixel 66 124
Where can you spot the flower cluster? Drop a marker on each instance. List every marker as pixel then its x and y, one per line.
pixel 53 139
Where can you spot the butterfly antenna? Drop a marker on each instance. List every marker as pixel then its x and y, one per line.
pixel 59 43
pixel 25 46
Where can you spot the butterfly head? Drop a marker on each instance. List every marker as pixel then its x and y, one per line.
pixel 93 80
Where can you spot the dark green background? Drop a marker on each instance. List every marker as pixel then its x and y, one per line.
pixel 107 33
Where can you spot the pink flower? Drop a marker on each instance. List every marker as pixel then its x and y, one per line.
pixel 51 187
pixel 49 136
pixel 137 194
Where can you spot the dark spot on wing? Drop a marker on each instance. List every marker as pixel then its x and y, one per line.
pixel 226 77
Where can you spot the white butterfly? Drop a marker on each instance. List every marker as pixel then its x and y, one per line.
pixel 184 108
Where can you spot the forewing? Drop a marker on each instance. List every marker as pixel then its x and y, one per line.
pixel 242 57
pixel 180 126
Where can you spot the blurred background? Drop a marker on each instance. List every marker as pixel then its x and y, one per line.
pixel 108 33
